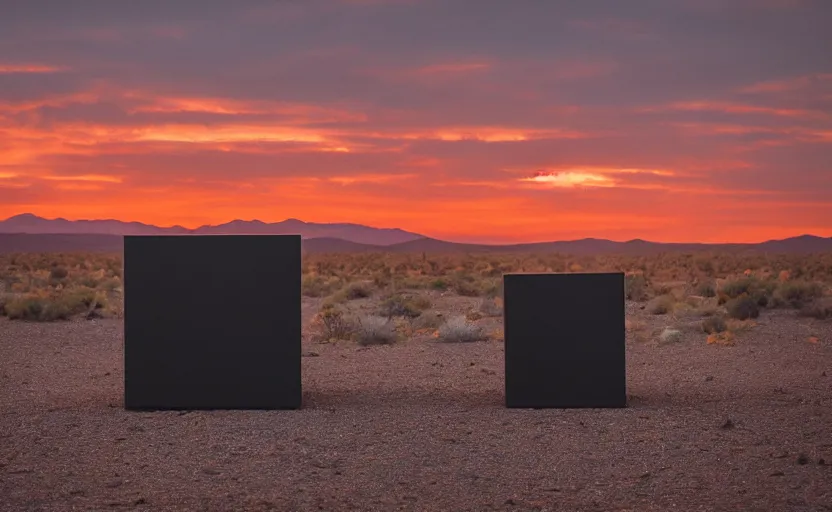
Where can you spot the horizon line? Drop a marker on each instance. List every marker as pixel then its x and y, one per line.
pixel 637 239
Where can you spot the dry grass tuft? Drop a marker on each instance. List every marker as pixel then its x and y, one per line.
pixel 375 330
pixel 669 335
pixel 459 330
pixel 661 305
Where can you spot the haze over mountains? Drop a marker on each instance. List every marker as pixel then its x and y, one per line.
pixel 30 233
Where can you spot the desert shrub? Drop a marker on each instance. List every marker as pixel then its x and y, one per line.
pixel 36 309
pixel 58 273
pixel 821 310
pixel 333 324
pixel 375 330
pixel 706 289
pixel 669 335
pixel 110 285
pixel 758 290
pixel 318 286
pixel 403 305
pixel 737 287
pixel 661 305
pixel 458 329
pixel 467 288
pixel 796 294
pixel 743 308
pixel 428 320
pixel 714 324
pixel 439 284
pixel 57 306
pixel 3 300
pixel 490 307
pixel 352 291
pixel 635 287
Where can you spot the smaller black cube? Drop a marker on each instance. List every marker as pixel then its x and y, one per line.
pixel 564 340
pixel 212 322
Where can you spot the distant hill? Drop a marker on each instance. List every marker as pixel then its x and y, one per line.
pixel 32 224
pixel 24 242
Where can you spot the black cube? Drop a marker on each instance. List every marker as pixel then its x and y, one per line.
pixel 564 340
pixel 212 322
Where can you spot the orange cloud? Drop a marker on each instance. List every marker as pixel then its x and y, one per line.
pixel 231 106
pixel 570 179
pixel 789 84
pixel 29 68
pixel 738 108
pixel 460 67
pixel 85 177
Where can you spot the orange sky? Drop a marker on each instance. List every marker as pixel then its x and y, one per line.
pixel 506 125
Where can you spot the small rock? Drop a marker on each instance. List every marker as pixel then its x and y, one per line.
pixel 510 502
pixel 777 473
pixel 709 378
pixel 140 501
pixel 112 484
pixel 210 471
pixel 311 353
pixel 821 462
pixel 729 423
pixel 645 475
pixel 802 459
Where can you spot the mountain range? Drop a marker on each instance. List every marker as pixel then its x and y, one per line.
pixel 30 233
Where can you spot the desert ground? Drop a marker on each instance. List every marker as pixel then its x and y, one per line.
pixel 729 377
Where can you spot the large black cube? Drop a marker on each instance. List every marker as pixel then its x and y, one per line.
pixel 212 322
pixel 564 340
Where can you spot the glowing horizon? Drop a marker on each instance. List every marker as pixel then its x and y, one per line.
pixel 617 123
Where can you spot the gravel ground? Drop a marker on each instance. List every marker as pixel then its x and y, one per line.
pixel 421 426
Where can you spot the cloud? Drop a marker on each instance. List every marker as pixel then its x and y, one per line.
pixel 8 69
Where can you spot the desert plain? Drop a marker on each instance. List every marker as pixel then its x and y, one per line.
pixel 729 383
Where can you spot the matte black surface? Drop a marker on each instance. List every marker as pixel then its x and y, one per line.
pixel 212 322
pixel 564 340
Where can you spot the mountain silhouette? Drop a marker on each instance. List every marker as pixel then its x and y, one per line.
pixel 30 233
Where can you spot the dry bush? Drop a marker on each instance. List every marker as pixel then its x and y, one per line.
pixel 319 286
pixel 742 308
pixel 375 330
pixel 491 307
pixel 797 294
pixel 706 289
pixel 458 329
pixel 635 287
pixel 821 310
pixel 661 305
pixel 428 320
pixel 352 291
pixel 669 335
pixel 404 305
pixel 714 324
pixel 333 324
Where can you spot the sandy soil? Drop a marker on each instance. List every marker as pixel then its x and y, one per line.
pixel 421 426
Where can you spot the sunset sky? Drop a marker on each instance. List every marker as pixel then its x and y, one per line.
pixel 483 121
